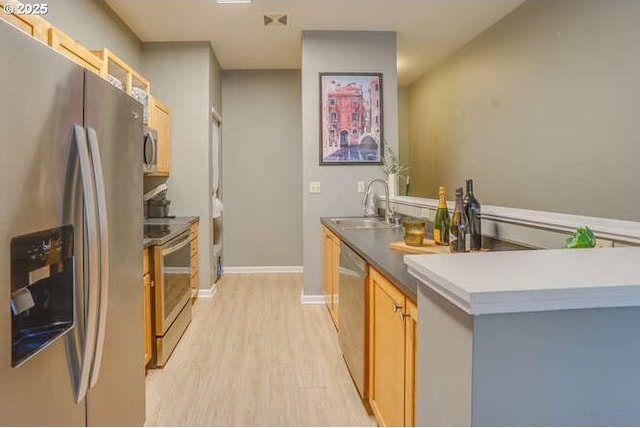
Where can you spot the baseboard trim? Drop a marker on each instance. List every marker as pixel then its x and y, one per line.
pixel 207 293
pixel 312 299
pixel 262 269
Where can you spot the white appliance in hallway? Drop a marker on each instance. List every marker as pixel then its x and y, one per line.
pixel 71 331
pixel 216 209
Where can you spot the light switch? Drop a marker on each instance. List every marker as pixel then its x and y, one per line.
pixel 315 187
pixel 360 186
pixel 425 213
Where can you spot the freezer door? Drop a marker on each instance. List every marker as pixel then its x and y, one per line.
pixel 40 103
pixel 118 397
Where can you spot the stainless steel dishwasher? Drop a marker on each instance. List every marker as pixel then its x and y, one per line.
pixel 351 332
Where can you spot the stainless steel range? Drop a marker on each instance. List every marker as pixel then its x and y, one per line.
pixel 172 290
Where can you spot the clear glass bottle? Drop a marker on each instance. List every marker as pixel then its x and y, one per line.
pixel 441 224
pixel 471 207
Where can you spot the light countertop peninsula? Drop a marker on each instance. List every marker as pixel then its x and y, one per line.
pixel 535 280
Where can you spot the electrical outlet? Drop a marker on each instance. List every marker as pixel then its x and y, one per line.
pixel 425 213
pixel 360 186
pixel 603 243
pixel 315 187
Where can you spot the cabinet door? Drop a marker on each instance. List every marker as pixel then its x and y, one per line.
pixel 335 278
pixel 329 272
pixel 33 25
pixel 195 261
pixel 386 351
pixel 160 120
pixel 411 323
pixel 326 266
pixel 147 318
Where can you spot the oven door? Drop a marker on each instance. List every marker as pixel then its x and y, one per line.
pixel 174 288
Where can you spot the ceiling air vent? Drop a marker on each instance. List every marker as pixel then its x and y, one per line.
pixel 275 20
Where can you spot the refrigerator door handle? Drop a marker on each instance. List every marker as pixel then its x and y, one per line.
pixel 94 150
pixel 90 214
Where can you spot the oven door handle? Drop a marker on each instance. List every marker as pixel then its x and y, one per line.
pixel 175 247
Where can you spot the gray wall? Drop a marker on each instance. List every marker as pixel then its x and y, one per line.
pixel 541 109
pixel 181 74
pixel 557 368
pixel 261 133
pixel 336 51
pixel 94 25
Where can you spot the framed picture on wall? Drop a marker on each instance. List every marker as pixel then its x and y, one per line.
pixel 351 119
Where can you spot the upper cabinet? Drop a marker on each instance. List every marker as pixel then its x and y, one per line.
pixel 33 25
pixel 105 64
pixel 160 120
pixel 74 51
pixel 121 74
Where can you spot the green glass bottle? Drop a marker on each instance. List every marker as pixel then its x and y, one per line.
pixel 442 223
pixel 459 240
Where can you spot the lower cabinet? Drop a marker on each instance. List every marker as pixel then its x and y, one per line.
pixel 330 273
pixel 195 266
pixel 392 351
pixel 146 286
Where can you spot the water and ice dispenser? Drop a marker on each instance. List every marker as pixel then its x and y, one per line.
pixel 42 290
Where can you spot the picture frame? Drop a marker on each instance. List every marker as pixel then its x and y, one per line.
pixel 351 119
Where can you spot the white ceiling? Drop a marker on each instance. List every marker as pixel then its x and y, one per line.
pixel 428 30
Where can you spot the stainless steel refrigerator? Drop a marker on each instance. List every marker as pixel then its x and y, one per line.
pixel 71 331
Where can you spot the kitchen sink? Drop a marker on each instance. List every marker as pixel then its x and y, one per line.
pixel 361 223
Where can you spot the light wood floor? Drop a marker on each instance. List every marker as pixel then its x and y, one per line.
pixel 255 356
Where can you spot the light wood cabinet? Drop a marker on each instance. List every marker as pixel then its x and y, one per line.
pixel 330 272
pixel 33 25
pixel 146 285
pixel 195 261
pixel 116 67
pixel 392 349
pixel 160 120
pixel 73 50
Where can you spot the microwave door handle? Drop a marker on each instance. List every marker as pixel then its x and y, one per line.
pixel 91 293
pixel 94 150
pixel 154 149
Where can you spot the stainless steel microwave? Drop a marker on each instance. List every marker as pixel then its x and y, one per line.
pixel 150 151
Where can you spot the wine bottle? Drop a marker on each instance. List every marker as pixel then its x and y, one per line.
pixel 441 225
pixel 471 207
pixel 459 227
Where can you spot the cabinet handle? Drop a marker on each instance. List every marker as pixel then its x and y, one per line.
pixel 153 283
pixel 395 307
pixel 135 115
pixel 403 315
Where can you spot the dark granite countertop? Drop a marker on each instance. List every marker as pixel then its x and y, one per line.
pixel 373 246
pixel 158 231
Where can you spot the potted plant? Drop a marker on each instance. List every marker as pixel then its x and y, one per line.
pixel 392 168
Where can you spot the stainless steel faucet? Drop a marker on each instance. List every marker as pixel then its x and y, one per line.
pixel 388 214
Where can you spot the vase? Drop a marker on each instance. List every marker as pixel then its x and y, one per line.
pixel 392 181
